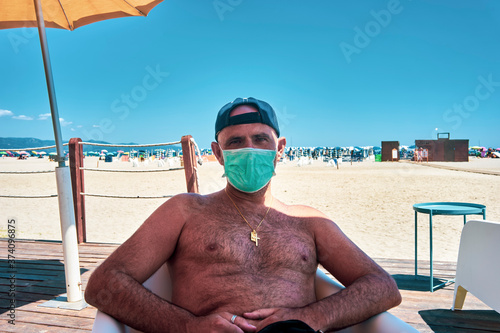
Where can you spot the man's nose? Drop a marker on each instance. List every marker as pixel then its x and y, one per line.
pixel 249 143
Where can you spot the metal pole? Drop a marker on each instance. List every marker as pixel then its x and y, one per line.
pixel 431 256
pixel 68 232
pixel 50 83
pixel 66 208
pixel 416 247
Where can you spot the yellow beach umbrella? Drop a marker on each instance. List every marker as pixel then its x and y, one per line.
pixel 66 14
pixel 69 14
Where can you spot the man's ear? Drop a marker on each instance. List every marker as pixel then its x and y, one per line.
pixel 281 147
pixel 217 152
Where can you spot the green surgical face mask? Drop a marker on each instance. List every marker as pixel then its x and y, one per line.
pixel 249 169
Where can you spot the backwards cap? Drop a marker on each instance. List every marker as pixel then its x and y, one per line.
pixel 265 115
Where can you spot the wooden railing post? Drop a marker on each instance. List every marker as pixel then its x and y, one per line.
pixel 189 159
pixel 75 162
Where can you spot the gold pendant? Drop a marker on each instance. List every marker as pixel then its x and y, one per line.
pixel 254 238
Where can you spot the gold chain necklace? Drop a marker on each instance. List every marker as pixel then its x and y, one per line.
pixel 253 235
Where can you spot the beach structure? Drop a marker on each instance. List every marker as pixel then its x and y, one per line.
pixel 444 149
pixel 390 151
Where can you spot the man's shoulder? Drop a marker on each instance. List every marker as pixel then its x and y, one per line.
pixel 188 200
pixel 179 209
pixel 315 221
pixel 311 218
pixel 303 211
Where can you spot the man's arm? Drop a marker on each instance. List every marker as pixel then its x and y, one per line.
pixel 116 288
pixel 369 289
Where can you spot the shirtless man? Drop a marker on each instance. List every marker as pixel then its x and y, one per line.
pixel 239 258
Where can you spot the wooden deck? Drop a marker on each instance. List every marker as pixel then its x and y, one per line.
pixel 39 277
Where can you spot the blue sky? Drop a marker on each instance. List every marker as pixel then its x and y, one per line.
pixel 337 73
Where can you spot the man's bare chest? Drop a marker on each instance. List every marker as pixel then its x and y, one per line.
pixel 227 243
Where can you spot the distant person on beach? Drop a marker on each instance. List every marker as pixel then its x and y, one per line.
pixel 491 153
pixel 240 260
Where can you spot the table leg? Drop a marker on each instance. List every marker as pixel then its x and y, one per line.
pixel 416 264
pixel 465 219
pixel 484 213
pixel 431 263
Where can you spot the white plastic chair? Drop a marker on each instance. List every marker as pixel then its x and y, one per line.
pixel 478 267
pixel 160 284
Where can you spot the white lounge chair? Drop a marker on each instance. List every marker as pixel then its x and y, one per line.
pixel 478 267
pixel 159 283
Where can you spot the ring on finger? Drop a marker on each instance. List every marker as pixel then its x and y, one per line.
pixel 233 318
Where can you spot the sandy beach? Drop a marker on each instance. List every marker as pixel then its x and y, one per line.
pixel 371 202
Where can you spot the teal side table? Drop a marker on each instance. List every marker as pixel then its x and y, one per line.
pixel 443 208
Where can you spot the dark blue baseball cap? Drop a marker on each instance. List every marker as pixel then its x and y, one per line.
pixel 265 115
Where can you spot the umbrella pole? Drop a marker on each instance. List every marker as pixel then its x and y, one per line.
pixel 64 190
pixel 50 84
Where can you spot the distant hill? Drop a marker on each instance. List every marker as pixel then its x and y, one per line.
pixel 20 143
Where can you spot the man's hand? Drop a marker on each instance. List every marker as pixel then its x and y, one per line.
pixel 273 315
pixel 220 323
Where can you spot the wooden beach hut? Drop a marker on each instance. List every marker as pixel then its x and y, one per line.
pixel 387 148
pixel 445 150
